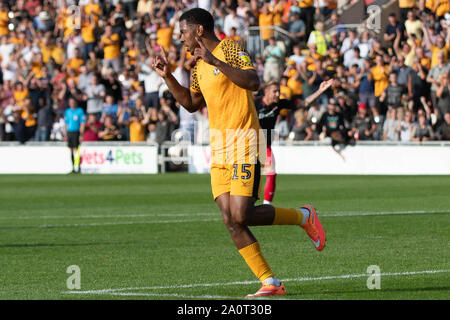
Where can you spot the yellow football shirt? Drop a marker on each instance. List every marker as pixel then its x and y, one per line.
pixel 46 51
pixel 111 49
pixel 4 21
pixel 75 63
pixel 230 107
pixel 285 92
pixel 58 54
pixel 435 50
pixel 30 121
pixel 165 37
pixel 93 8
pixel 266 20
pixel 20 96
pixel 87 32
pixel 137 132
pixel 407 3
pixel 380 78
pixel 306 3
pixel 293 83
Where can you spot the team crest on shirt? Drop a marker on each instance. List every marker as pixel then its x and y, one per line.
pixel 216 71
pixel 244 57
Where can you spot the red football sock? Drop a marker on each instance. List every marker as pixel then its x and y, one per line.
pixel 269 188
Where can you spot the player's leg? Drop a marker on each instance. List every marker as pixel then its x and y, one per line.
pixel 269 187
pixel 72 158
pixel 246 183
pixel 234 213
pixel 71 145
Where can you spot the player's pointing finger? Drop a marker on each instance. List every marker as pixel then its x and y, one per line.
pixel 163 54
pixel 199 41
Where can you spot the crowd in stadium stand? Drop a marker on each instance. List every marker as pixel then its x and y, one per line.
pixel 95 57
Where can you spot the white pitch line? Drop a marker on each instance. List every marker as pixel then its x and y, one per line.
pixel 102 216
pixel 173 295
pixel 381 213
pixel 95 224
pixel 196 285
pixel 207 214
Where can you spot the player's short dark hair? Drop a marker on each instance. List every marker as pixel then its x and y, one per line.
pixel 199 16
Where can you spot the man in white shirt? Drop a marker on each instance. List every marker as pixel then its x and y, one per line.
pixel 348 45
pixel 233 20
pixel 152 83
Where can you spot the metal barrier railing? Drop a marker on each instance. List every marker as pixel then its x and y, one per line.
pixel 255 43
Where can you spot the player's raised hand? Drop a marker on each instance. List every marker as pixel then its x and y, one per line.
pixel 325 85
pixel 160 64
pixel 203 53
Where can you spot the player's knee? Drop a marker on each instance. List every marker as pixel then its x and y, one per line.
pixel 227 219
pixel 240 216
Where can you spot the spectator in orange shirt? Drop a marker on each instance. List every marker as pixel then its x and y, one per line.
pixel 164 34
pixel 137 123
pixel 266 21
pixel 110 43
pixel 76 62
pixel 4 20
pixel 88 25
pixel 28 114
pixel 20 93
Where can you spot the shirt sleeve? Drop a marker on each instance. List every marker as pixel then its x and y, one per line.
pixel 236 56
pixel 83 116
pixel 195 87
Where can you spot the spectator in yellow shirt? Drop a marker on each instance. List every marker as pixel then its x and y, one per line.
pixel 277 8
pixel 438 7
pixel 4 20
pixel 20 93
pixel 293 82
pixel 28 114
pixel 110 43
pixel 266 21
pixel 46 47
pixel 58 52
pixel 164 33
pixel 76 62
pixel 137 123
pixel 88 26
pixel 380 76
pixel 440 46
pixel 285 91
pixel 93 9
pixel 37 64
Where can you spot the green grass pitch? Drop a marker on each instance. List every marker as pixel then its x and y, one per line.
pixel 161 237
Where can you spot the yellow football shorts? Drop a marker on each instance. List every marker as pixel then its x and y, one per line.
pixel 237 179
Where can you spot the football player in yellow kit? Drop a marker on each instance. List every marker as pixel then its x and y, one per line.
pixel 223 79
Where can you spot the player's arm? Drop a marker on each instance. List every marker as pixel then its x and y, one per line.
pixel 322 88
pixel 190 100
pixel 244 78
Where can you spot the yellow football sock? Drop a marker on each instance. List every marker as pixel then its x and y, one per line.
pixel 287 217
pixel 255 260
